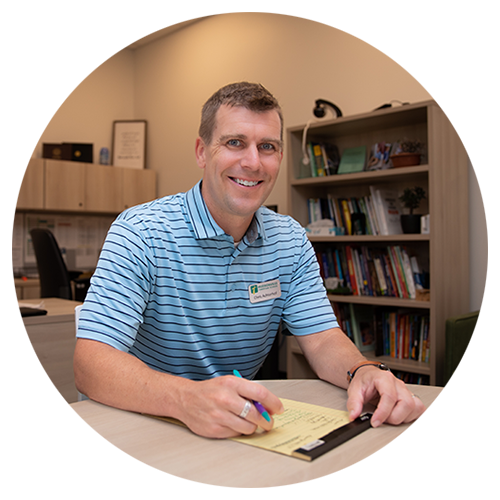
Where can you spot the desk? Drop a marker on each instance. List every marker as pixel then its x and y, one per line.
pixel 27 289
pixel 53 337
pixel 177 451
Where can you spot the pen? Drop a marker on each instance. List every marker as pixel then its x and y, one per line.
pixel 259 407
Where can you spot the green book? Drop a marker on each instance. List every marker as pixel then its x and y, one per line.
pixel 353 160
pixel 363 327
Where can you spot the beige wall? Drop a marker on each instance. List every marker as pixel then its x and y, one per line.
pixel 87 115
pixel 167 81
pixel 298 60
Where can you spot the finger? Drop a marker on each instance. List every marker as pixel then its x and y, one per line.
pixel 257 392
pixel 355 403
pixel 407 408
pixel 240 425
pixel 384 409
pixel 233 426
pixel 254 416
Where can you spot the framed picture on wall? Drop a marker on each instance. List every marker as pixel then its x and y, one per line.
pixel 129 143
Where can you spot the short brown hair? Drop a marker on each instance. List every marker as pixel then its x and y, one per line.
pixel 252 96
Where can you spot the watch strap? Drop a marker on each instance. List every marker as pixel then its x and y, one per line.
pixel 355 368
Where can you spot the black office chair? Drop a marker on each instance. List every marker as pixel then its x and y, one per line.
pixel 55 280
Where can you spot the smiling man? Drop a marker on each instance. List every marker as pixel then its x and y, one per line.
pixel 192 286
pixel 241 163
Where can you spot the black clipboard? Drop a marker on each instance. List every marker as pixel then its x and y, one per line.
pixel 335 438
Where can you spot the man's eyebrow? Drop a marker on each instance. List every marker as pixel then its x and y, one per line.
pixel 232 136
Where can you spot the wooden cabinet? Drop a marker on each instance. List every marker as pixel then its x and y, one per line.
pixel 139 186
pixel 66 186
pixel 103 189
pixel 444 252
pixel 31 194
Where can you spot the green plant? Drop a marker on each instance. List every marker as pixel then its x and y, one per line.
pixel 407 146
pixel 411 198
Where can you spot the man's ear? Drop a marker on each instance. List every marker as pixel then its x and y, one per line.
pixel 200 152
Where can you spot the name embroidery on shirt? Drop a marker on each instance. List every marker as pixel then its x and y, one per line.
pixel 264 291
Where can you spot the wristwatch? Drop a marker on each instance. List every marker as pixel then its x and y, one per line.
pixel 355 368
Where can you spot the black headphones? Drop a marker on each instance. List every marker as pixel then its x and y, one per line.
pixel 320 111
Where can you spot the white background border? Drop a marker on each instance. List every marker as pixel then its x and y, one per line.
pixel 49 47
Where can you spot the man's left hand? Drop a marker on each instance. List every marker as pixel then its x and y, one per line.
pixel 395 403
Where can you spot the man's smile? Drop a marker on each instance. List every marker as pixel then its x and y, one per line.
pixel 243 182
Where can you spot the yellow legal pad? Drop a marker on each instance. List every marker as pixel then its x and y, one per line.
pixel 298 426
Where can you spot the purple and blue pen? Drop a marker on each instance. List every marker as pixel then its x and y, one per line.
pixel 257 405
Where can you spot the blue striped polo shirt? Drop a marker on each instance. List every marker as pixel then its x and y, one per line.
pixel 172 289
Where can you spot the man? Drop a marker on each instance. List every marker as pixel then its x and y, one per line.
pixel 192 286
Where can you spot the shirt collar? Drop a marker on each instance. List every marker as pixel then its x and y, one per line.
pixel 204 225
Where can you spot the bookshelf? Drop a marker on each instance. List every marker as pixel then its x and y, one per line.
pixel 443 253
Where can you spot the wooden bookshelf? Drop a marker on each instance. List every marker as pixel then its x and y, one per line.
pixel 443 173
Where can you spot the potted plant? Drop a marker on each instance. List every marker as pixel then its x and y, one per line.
pixel 407 153
pixel 411 199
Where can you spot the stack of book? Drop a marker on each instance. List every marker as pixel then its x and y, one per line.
pixel 402 335
pixel 323 159
pixel 358 323
pixel 386 271
pixel 396 333
pixel 374 214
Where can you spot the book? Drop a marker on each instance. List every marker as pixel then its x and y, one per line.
pixel 388 209
pixel 401 334
pixel 362 318
pixel 379 156
pixel 323 159
pixel 353 215
pixel 353 160
pixel 319 160
pixel 372 271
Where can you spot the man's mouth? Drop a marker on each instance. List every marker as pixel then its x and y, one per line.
pixel 243 182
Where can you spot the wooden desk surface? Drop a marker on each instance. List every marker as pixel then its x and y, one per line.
pixel 53 337
pixel 63 309
pixel 176 450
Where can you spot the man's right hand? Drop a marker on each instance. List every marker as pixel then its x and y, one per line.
pixel 211 408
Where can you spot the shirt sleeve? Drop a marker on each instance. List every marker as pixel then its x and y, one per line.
pixel 120 287
pixel 308 309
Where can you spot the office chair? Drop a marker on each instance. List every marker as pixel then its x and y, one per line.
pixel 55 280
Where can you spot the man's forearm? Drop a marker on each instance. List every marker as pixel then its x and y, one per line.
pixel 116 378
pixel 330 353
pixel 210 407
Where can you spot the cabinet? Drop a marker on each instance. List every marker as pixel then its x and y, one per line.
pixel 66 186
pixel 31 192
pixel 443 173
pixel 138 186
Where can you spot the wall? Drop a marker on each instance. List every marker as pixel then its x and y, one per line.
pixel 298 60
pixel 87 115
pixel 167 81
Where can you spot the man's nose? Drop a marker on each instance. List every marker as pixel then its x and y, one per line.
pixel 251 157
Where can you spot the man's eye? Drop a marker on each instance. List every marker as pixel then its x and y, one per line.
pixel 268 147
pixel 234 142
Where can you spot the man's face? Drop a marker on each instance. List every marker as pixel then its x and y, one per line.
pixel 241 163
